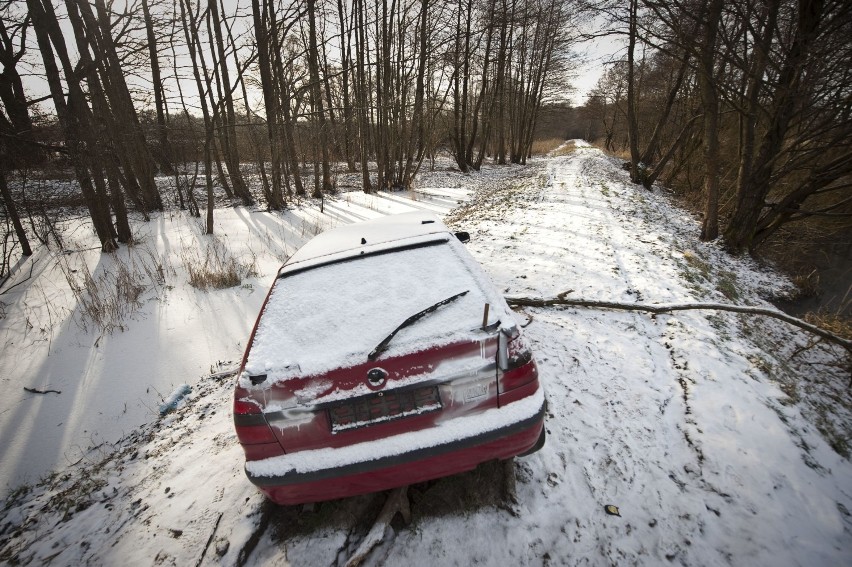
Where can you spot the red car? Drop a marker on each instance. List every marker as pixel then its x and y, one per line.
pixel 383 356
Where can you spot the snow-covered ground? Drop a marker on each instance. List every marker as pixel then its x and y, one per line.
pixel 702 428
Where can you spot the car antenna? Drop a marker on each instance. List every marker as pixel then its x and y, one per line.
pixel 485 316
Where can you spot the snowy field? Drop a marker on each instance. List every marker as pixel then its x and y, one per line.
pixel 718 436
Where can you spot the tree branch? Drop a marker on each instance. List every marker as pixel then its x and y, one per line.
pixel 668 308
pixel 397 502
pixel 37 391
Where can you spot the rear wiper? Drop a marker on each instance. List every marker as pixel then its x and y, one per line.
pixel 382 346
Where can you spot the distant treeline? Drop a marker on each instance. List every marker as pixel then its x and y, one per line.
pixel 139 87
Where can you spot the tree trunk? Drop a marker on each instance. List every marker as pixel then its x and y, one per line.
pixel 346 95
pixel 270 102
pixel 632 123
pixel 417 135
pixel 12 212
pixel 325 184
pixel 73 116
pixel 190 30
pixel 361 93
pixel 710 102
pixel 500 80
pixel 163 155
pixel 134 146
pixel 751 104
pixel 229 132
pixel 751 196
pixel 647 156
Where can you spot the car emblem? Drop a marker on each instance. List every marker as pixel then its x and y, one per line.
pixel 376 378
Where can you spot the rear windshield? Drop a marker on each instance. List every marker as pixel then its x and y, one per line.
pixel 334 315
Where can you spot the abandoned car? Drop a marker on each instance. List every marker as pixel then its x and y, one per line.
pixel 382 356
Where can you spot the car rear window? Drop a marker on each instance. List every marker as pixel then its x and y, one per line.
pixel 332 316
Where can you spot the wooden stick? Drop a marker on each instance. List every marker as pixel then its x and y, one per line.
pixel 35 391
pixel 668 308
pixel 397 502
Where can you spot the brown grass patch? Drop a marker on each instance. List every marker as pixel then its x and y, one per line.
pixel 545 146
pixel 832 322
pixel 217 269
pixel 109 297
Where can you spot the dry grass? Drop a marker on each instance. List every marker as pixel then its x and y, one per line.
pixel 111 295
pixel 217 269
pixel 807 282
pixel 114 292
pixel 620 153
pixel 544 147
pixel 564 149
pixel 831 322
pixel 108 298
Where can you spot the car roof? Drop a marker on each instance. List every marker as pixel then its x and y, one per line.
pixel 374 235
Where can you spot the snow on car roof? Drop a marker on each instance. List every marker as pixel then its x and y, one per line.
pixel 369 235
pixel 333 315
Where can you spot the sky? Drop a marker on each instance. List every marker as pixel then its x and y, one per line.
pixel 593 56
pixel 596 54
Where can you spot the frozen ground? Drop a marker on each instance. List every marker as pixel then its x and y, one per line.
pixel 718 441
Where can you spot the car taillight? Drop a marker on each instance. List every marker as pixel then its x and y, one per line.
pixel 249 421
pixel 243 407
pixel 514 358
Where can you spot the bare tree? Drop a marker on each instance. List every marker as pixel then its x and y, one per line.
pixel 17 143
pixel 318 112
pixel 767 80
pixel 163 152
pixel 228 133
pixel 130 146
pixel 191 23
pixel 362 89
pixel 632 123
pixel 710 102
pixel 75 117
pixel 806 126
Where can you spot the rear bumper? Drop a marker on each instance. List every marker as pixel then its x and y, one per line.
pixel 449 448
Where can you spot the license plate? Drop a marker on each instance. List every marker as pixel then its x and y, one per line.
pixel 384 406
pixel 476 391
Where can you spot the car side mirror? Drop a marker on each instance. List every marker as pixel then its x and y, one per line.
pixel 463 236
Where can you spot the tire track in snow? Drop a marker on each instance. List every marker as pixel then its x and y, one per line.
pixel 622 428
pixel 602 447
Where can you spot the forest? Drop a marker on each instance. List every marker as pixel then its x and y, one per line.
pixel 201 89
pixel 741 106
pixel 744 105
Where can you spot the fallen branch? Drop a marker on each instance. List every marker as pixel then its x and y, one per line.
pixel 35 391
pixel 668 308
pixel 397 502
pixel 228 373
pixel 209 540
pixel 266 510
